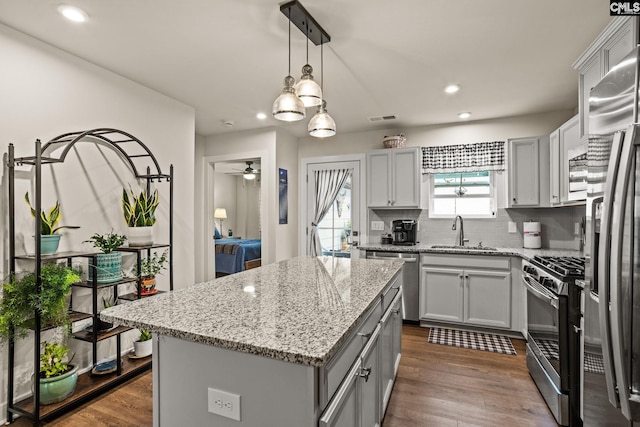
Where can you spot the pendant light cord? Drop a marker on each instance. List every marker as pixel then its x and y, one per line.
pixel 321 67
pixel 289 41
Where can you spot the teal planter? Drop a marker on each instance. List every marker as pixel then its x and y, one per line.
pixel 49 243
pixel 56 389
pixel 109 268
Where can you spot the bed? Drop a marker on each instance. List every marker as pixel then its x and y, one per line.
pixel 233 254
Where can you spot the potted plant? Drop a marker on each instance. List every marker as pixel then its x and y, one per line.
pixel 143 347
pixel 149 268
pixel 19 301
pixel 139 215
pixel 108 263
pixel 49 239
pixel 57 376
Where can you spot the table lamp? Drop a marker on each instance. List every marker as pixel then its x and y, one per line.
pixel 220 213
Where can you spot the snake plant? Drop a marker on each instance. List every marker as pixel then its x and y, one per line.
pixel 139 211
pixel 48 220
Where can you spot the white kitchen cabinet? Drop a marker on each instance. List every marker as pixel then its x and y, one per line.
pixel 614 43
pixel 487 298
pixel 390 341
pixel 471 290
pixel 441 294
pixel 562 143
pixel 393 178
pixel 528 178
pixel 356 403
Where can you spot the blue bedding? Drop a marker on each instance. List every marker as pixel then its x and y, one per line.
pixel 231 254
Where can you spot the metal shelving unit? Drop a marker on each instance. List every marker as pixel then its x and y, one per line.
pixel 144 167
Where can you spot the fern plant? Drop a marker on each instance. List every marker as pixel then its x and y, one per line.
pixel 139 210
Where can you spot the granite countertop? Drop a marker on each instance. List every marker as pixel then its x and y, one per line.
pixel 527 254
pixel 299 310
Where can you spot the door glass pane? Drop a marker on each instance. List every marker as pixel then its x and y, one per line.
pixel 335 228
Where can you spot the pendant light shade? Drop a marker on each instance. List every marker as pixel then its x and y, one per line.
pixel 288 107
pixel 322 124
pixel 307 89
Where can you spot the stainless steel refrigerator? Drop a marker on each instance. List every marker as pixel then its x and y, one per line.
pixel 610 356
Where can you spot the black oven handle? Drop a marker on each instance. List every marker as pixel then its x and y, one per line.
pixel 540 291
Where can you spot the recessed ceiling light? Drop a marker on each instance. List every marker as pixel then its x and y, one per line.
pixel 261 116
pixel 464 115
pixel 73 13
pixel 452 88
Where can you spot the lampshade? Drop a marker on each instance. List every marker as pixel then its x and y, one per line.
pixel 288 107
pixel 322 124
pixel 249 175
pixel 220 213
pixel 307 89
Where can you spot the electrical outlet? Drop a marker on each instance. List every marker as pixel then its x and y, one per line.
pixel 224 403
pixel 377 225
pixel 513 227
pixel 576 228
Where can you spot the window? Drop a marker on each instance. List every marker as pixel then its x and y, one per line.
pixel 334 229
pixel 471 194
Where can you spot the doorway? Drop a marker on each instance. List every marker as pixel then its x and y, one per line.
pixel 337 231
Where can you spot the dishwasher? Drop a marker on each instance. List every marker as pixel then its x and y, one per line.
pixel 410 281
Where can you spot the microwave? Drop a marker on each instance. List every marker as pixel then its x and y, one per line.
pixel 577 176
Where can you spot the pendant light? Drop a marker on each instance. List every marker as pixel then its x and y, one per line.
pixel 288 107
pixel 322 124
pixel 307 89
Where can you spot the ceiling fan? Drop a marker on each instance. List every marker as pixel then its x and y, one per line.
pixel 250 173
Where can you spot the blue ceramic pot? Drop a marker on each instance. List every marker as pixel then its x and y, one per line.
pixel 49 243
pixel 56 389
pixel 109 268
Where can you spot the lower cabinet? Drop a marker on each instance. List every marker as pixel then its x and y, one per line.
pixel 363 396
pixel 476 293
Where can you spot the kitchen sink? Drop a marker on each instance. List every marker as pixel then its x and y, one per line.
pixel 472 248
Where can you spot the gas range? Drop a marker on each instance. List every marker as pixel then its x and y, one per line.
pixel 555 273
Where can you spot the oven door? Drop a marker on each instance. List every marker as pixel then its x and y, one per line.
pixel 547 331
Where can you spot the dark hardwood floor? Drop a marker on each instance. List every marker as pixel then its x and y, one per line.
pixel 436 386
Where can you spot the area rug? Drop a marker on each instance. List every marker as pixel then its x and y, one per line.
pixel 472 340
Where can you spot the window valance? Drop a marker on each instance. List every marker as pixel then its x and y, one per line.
pixel 463 157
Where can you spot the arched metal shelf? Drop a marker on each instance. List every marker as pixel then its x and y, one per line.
pixel 144 166
pixel 131 149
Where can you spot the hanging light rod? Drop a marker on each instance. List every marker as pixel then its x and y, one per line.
pixel 302 19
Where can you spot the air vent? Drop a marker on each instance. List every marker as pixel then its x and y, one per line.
pixel 383 118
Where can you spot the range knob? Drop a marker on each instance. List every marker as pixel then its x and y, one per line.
pixel 547 282
pixel 529 269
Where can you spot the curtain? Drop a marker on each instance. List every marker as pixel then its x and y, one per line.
pixel 328 184
pixel 481 156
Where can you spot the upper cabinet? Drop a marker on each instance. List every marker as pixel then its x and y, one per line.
pixel 393 178
pixel 568 164
pixel 528 178
pixel 614 43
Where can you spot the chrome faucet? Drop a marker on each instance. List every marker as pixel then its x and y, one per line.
pixel 460 235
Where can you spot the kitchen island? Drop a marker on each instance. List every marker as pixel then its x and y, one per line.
pixel 305 342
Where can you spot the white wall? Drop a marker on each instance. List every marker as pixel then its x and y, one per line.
pixel 226 197
pixel 47 92
pixel 287 158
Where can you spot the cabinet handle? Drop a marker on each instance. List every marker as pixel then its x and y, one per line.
pixel 395 311
pixel 460 275
pixel 363 335
pixel 514 200
pixel 364 373
pixel 388 202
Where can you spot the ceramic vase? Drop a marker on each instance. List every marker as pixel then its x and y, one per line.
pixel 143 348
pixel 108 268
pixel 140 236
pixel 49 243
pixel 56 389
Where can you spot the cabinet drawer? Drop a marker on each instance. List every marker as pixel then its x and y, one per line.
pixel 339 365
pixel 466 261
pixel 390 293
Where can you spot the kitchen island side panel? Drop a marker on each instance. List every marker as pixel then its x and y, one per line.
pixel 273 392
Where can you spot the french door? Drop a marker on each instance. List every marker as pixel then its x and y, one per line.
pixel 339 227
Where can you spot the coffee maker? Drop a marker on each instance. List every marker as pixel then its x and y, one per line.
pixel 404 231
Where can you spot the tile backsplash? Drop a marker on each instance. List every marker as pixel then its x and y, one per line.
pixel 558 226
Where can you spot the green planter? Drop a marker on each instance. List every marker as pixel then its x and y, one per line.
pixel 108 268
pixel 56 389
pixel 49 243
